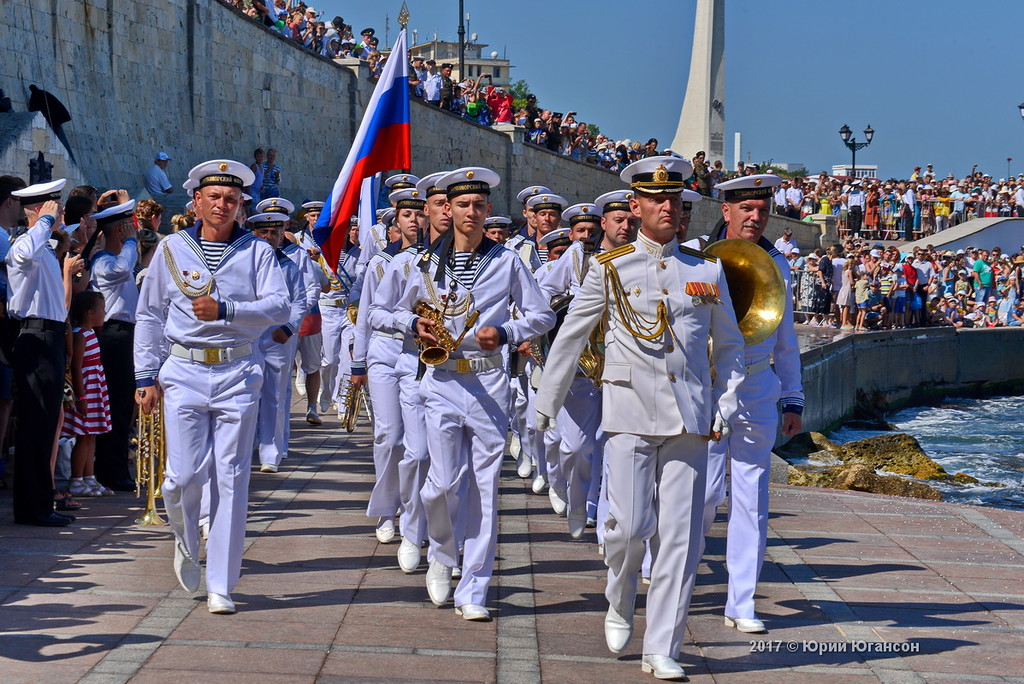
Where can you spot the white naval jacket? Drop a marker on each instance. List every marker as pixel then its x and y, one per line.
pixel 114 276
pixel 661 387
pixel 248 282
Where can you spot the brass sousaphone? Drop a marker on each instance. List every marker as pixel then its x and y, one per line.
pixel 756 286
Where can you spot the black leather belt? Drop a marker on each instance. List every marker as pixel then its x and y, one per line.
pixel 43 324
pixel 120 325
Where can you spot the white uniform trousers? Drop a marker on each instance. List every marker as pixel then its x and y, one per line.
pixel 655 491
pixel 466 427
pixel 544 445
pixel 210 415
pixel 596 471
pixel 311 349
pixel 412 469
pixel 337 361
pixel 578 423
pixel 382 379
pixel 272 431
pixel 519 416
pixel 748 449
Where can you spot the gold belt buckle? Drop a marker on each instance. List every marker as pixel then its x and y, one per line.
pixel 211 355
pixel 463 366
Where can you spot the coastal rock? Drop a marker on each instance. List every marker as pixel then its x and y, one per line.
pixel 895 453
pixel 861 478
pixel 807 445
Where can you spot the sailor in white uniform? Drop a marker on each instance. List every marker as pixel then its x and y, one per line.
pixel 374 363
pixel 375 238
pixel 336 322
pixel 278 344
pixel 772 381
pixel 524 243
pixel 662 303
pixel 468 281
pixel 310 350
pixel 217 288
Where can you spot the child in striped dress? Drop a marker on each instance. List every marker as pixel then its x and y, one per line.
pixel 90 414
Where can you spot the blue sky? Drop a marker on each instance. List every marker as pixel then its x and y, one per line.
pixel 938 81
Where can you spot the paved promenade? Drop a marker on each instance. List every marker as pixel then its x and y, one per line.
pixel 856 588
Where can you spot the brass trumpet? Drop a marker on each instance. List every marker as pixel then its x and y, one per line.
pixel 436 354
pixel 150 457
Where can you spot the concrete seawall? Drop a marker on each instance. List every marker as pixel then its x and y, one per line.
pixel 903 367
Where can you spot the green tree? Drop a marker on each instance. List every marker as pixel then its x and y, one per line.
pixel 519 90
pixel 593 130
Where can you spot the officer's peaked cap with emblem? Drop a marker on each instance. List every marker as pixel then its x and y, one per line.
pixel 313 206
pixel 275 205
pixel 757 186
pixel 616 200
pixel 428 186
pixel 407 198
pixel 222 172
pixel 190 185
pixel 40 192
pixel 657 175
pixel 528 192
pixel 387 217
pixel 556 238
pixel 580 213
pixel 547 200
pixel 470 180
pixel 401 180
pixel 268 219
pixel 497 221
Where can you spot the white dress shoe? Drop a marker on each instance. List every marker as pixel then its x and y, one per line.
pixel 439 583
pixel 408 556
pixel 204 530
pixel 515 447
pixel 457 573
pixel 662 667
pixel 745 625
pixel 557 500
pixel 471 611
pixel 186 569
pixel 524 466
pixel 591 522
pixel 617 631
pixel 577 522
pixel 539 482
pixel 300 383
pixel 268 468
pixel 220 604
pixel 600 549
pixel 385 530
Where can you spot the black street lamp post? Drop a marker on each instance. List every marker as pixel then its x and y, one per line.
pixel 869 133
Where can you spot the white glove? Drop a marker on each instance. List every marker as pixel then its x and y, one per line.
pixel 545 422
pixel 721 428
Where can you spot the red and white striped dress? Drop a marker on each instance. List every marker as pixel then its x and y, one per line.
pixel 96 419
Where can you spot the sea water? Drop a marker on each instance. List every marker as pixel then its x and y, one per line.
pixel 983 438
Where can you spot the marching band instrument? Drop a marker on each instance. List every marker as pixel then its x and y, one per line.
pixel 436 354
pixel 150 458
pixel 353 403
pixel 756 286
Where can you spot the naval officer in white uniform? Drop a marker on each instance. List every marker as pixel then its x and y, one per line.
pixel 209 295
pixel 746 207
pixel 662 303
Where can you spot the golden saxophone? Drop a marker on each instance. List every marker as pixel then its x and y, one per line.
pixel 436 354
pixel 353 402
pixel 150 458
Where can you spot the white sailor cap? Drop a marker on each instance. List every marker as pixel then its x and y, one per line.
pixel 469 180
pixel 581 213
pixel 114 214
pixel 275 205
pixel 40 192
pixel 386 217
pixel 222 172
pixel 313 206
pixel 407 198
pixel 528 192
pixel 616 200
pixel 401 180
pixel 547 201
pixel 428 184
pixel 497 221
pixel 556 238
pixel 190 206
pixel 190 185
pixel 657 175
pixel 757 186
pixel 268 219
pixel 246 198
pixel 689 197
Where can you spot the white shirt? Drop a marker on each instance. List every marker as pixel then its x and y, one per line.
pixel 114 276
pixel 432 87
pixel 794 196
pixel 35 286
pixel 313 277
pixel 785 246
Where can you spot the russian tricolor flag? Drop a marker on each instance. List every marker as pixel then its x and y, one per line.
pixel 382 143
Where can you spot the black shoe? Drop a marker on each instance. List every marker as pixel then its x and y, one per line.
pixel 70 518
pixel 122 486
pixel 51 520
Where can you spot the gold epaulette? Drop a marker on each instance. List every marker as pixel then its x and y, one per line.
pixel 605 257
pixel 698 254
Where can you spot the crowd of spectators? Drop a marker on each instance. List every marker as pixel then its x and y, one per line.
pixel 857 285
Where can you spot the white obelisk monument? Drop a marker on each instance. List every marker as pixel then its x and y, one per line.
pixel 702 121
